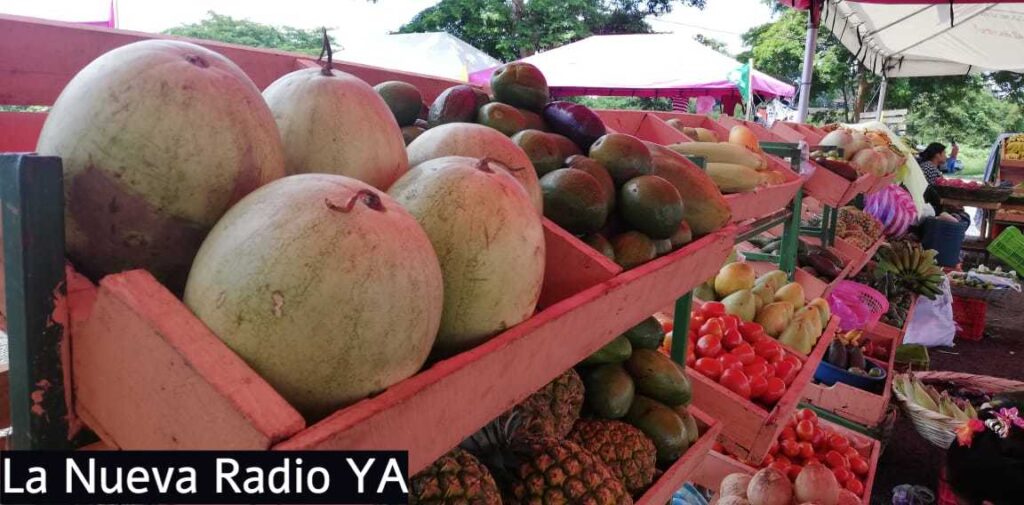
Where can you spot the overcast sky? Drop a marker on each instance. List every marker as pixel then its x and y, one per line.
pixel 354 19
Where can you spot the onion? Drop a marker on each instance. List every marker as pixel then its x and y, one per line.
pixel 841 139
pixel 867 161
pixel 734 484
pixel 860 142
pixel 770 487
pixel 733 500
pixel 817 484
pixel 847 497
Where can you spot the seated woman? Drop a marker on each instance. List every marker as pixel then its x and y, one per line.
pixel 985 465
pixel 932 161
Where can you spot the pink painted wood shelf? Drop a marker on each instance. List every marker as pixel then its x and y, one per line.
pixel 683 469
pixel 643 125
pixel 832 189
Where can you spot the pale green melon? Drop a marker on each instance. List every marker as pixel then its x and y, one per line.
pixel 337 124
pixel 325 286
pixel 489 240
pixel 158 139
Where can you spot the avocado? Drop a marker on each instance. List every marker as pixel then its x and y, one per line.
pixel 457 104
pixel 592 167
pixel 692 430
pixel 837 354
pixel 575 121
pixel 501 117
pixel 609 391
pixel 652 206
pixel 662 247
pixel 541 149
pixel 855 358
pixel 409 133
pixel 566 147
pixel 481 98
pixel 658 377
pixel 601 244
pixel 647 335
pixel 520 84
pixel 616 351
pixel 662 425
pixel 533 120
pixel 705 292
pixel 682 236
pixel 633 249
pixel 624 156
pixel 404 100
pixel 574 200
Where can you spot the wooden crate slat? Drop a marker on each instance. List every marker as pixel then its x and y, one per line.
pixel 38 58
pixel 149 375
pixel 515 364
pixel 683 470
pixel 20 130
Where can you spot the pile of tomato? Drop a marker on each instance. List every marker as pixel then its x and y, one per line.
pixel 739 355
pixel 804 440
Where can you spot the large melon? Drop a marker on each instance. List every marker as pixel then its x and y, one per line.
pixel 337 124
pixel 477 141
pixel 325 286
pixel 158 139
pixel 489 240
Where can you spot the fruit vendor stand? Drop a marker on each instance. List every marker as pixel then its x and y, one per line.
pixel 680 280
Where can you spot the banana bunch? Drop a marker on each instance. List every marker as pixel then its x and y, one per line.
pixel 927 397
pixel 851 337
pixel 913 266
pixel 1015 147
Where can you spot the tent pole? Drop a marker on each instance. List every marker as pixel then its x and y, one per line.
pixel 805 80
pixel 881 98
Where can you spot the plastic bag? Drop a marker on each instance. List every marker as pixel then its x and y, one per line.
pixel 931 323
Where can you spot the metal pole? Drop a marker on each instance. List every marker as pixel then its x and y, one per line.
pixel 750 91
pixel 805 80
pixel 881 98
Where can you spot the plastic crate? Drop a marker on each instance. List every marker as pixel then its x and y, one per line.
pixel 969 314
pixel 1009 247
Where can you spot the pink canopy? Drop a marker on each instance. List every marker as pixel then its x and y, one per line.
pixel 672 66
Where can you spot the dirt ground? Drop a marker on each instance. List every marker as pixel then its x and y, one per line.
pixel 908 458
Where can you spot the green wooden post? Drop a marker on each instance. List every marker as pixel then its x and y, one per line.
pixel 681 328
pixel 31 188
pixel 791 237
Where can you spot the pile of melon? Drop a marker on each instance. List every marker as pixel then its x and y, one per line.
pixel 290 221
pixel 631 200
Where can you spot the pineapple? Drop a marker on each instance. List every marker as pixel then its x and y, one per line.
pixel 553 410
pixel 629 454
pixel 544 470
pixel 455 478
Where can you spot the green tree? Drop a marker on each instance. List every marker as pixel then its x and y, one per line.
pixel 713 43
pixel 623 102
pixel 512 29
pixel 248 33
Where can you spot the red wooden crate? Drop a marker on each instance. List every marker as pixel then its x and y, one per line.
pixel 787 132
pixel 643 125
pixel 695 121
pixel 833 190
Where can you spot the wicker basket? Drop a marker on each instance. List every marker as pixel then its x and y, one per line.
pixel 990 195
pixel 978 293
pixel 936 428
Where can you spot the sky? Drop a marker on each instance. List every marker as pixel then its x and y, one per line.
pixel 724 20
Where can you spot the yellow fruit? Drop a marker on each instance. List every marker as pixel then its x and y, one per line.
pixel 733 178
pixel 722 152
pixel 792 293
pixel 775 317
pixel 734 277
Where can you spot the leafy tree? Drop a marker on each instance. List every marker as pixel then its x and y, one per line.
pixel 623 102
pixel 512 29
pixel 248 33
pixel 713 43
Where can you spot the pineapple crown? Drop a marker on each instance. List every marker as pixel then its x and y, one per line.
pixel 494 446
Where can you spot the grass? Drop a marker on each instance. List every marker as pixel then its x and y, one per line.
pixel 974 159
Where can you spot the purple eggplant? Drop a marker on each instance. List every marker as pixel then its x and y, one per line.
pixel 575 121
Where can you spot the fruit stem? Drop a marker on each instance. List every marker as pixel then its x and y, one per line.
pixel 326 49
pixel 484 165
pixel 369 198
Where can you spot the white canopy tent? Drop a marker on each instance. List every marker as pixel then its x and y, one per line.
pixel 438 54
pixel 917 38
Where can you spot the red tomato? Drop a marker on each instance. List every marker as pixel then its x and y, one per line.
pixel 730 361
pixel 709 346
pixel 797 364
pixel 806 450
pixel 835 460
pixel 842 475
pixel 696 321
pixel 805 431
pixel 859 466
pixel 788 433
pixel 737 382
pixel 794 471
pixel 782 464
pixel 745 353
pixel 731 338
pixel 731 322
pixel 855 486
pixel 691 360
pixel 757 337
pixel 768 460
pixel 776 388
pixel 838 442
pixel 667 325
pixel 758 362
pixel 820 440
pixel 758 385
pixel 709 367
pixel 790 448
pixel 851 453
pixel 774 448
pixel 713 309
pixel 770 350
pixel 785 371
pixel 712 326
pixel 807 415
pixel 750 328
